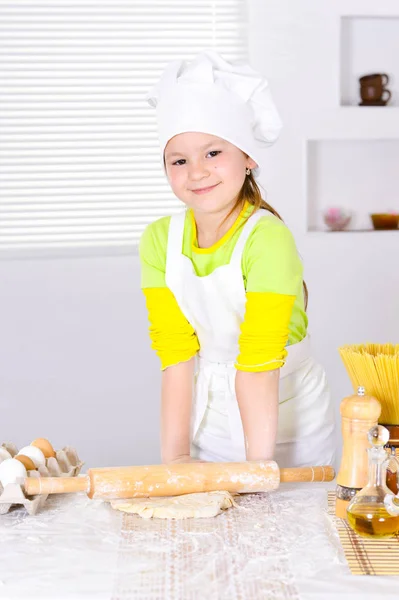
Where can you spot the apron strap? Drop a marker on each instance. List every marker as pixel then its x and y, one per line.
pixel 175 243
pixel 176 234
pixel 245 233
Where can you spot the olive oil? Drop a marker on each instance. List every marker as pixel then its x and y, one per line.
pixel 374 511
pixel 371 521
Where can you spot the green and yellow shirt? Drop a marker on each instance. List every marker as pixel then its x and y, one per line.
pixel 273 278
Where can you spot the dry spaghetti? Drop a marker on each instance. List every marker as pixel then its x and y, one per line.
pixel 376 368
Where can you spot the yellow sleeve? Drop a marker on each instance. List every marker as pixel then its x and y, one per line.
pixel 173 338
pixel 264 331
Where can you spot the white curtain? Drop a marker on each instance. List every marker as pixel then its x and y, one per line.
pixel 80 169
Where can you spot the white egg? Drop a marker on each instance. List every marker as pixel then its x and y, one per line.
pixel 35 454
pixel 4 454
pixel 12 471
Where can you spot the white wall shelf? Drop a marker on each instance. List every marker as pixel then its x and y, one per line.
pixel 361 123
pixel 351 152
pixel 360 175
pixel 368 44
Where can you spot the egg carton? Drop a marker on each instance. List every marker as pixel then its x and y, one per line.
pixel 65 464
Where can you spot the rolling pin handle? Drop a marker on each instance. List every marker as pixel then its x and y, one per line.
pixel 34 486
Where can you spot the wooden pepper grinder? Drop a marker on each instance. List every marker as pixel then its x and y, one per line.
pixel 359 413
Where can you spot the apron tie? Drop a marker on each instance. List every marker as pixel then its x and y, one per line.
pixel 227 371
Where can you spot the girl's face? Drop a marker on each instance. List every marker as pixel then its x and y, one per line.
pixel 205 172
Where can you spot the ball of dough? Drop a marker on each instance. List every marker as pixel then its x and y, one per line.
pixel 26 461
pixel 12 471
pixel 45 446
pixel 35 454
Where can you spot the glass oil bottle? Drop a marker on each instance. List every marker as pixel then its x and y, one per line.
pixel 374 511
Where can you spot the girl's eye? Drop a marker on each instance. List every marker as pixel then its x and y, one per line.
pixel 182 161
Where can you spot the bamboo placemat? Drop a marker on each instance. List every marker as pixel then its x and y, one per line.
pixel 239 555
pixel 365 556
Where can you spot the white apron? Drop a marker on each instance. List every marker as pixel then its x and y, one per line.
pixel 215 306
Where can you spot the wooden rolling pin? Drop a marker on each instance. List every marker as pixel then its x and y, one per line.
pixel 177 479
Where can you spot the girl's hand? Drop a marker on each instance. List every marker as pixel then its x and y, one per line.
pixel 186 458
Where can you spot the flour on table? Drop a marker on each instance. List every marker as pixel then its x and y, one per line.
pixel 200 505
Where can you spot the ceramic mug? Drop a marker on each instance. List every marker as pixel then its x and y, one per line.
pixel 375 79
pixel 372 88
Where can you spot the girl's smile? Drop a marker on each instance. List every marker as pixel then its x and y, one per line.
pixel 205 190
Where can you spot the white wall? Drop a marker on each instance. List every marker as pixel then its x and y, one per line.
pixel 75 362
pixel 352 277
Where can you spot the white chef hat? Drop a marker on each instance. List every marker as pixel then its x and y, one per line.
pixel 211 95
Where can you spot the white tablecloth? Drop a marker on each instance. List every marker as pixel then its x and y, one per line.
pixel 281 545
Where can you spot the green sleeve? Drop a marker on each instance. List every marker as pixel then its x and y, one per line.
pixel 152 250
pixel 270 260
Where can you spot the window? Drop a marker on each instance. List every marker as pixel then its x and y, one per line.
pixel 80 168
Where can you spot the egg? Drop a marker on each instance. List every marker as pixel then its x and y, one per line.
pixel 4 454
pixel 12 471
pixel 26 461
pixel 45 446
pixel 35 454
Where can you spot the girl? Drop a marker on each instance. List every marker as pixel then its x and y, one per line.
pixel 223 282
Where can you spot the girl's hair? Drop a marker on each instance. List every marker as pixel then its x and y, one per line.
pixel 251 193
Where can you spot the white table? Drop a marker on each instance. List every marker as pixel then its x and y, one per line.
pixel 281 545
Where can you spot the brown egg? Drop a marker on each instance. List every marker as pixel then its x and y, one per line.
pixel 26 461
pixel 45 446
